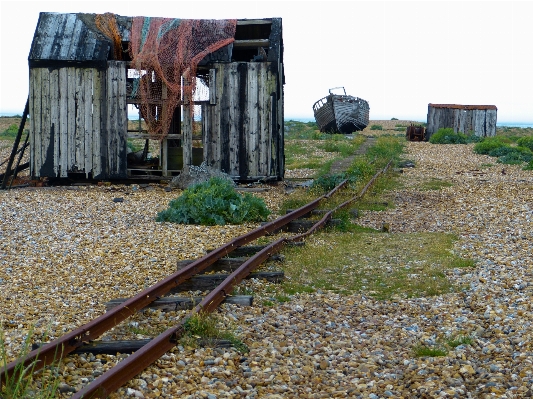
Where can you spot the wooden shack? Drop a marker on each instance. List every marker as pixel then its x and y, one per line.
pixel 80 87
pixel 479 120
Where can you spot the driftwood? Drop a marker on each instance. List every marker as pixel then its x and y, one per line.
pixel 173 303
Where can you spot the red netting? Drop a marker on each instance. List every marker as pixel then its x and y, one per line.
pixel 107 24
pixel 165 52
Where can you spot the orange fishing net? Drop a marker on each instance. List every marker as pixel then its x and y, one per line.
pixel 165 52
pixel 107 24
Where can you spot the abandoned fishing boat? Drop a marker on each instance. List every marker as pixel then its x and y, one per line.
pixel 341 113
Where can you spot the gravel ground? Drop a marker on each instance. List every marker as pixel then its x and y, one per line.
pixel 64 253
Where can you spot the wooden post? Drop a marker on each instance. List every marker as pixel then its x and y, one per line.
pixel 187 123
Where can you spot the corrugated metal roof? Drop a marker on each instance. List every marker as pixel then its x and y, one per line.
pixel 466 107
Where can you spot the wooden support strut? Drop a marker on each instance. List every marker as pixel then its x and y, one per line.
pixel 14 151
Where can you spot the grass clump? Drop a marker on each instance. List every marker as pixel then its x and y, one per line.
pixel 214 202
pixel 442 346
pixel 302 130
pixel 376 127
pixel 434 184
pixel 489 144
pixel 26 382
pixel 207 329
pixel 448 136
pixel 526 141
pixel 10 133
pixel 429 351
pixel 381 265
pixel 327 183
pixel 461 340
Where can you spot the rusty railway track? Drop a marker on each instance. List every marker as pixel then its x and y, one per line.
pixel 125 370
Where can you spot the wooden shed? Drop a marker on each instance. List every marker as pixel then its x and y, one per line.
pixel 87 69
pixel 469 119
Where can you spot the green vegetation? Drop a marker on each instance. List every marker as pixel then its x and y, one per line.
pixel 442 346
pixel 303 131
pixel 427 351
pixel 489 144
pixel 506 150
pixel 26 382
pixel 376 127
pixel 214 203
pixel 448 136
pixel 305 146
pixel 384 266
pixel 526 141
pixel 434 184
pixel 348 258
pixel 10 133
pixel 208 329
pixel 460 340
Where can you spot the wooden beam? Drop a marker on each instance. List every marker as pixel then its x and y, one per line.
pixel 130 346
pixel 226 264
pixel 208 282
pixel 251 43
pixel 242 22
pixel 173 303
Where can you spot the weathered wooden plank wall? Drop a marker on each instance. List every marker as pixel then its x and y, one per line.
pixel 465 119
pixel 238 131
pixel 78 121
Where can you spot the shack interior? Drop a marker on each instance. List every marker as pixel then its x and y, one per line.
pixel 121 97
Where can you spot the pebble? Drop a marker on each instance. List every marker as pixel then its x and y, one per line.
pixel 319 345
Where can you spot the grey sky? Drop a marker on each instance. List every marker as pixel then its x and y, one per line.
pixel 397 55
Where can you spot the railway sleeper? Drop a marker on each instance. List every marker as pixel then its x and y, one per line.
pixel 301 226
pixel 130 346
pixel 318 212
pixel 208 282
pixel 227 264
pixel 173 303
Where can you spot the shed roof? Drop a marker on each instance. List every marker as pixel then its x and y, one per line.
pixel 465 107
pixel 75 38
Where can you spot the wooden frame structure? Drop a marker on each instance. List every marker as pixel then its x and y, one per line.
pixel 79 97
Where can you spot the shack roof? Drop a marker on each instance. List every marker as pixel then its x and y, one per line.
pixel 465 107
pixel 74 38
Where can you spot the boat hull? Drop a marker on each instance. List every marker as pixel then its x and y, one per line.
pixel 341 114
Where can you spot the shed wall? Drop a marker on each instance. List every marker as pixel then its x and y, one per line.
pixel 242 136
pixel 482 122
pixel 78 121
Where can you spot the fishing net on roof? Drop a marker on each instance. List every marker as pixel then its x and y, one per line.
pixel 166 52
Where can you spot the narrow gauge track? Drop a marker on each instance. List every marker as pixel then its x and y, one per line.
pixel 126 369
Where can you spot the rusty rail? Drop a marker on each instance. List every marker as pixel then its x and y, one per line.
pixel 62 346
pixel 114 378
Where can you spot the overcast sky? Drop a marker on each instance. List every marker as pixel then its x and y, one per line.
pixel 398 55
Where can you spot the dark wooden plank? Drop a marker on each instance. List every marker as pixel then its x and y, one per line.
pixel 174 303
pixel 253 43
pixel 63 122
pixel 209 282
pixel 122 121
pixel 226 264
pixel 130 346
pixel 54 121
pixel 71 118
